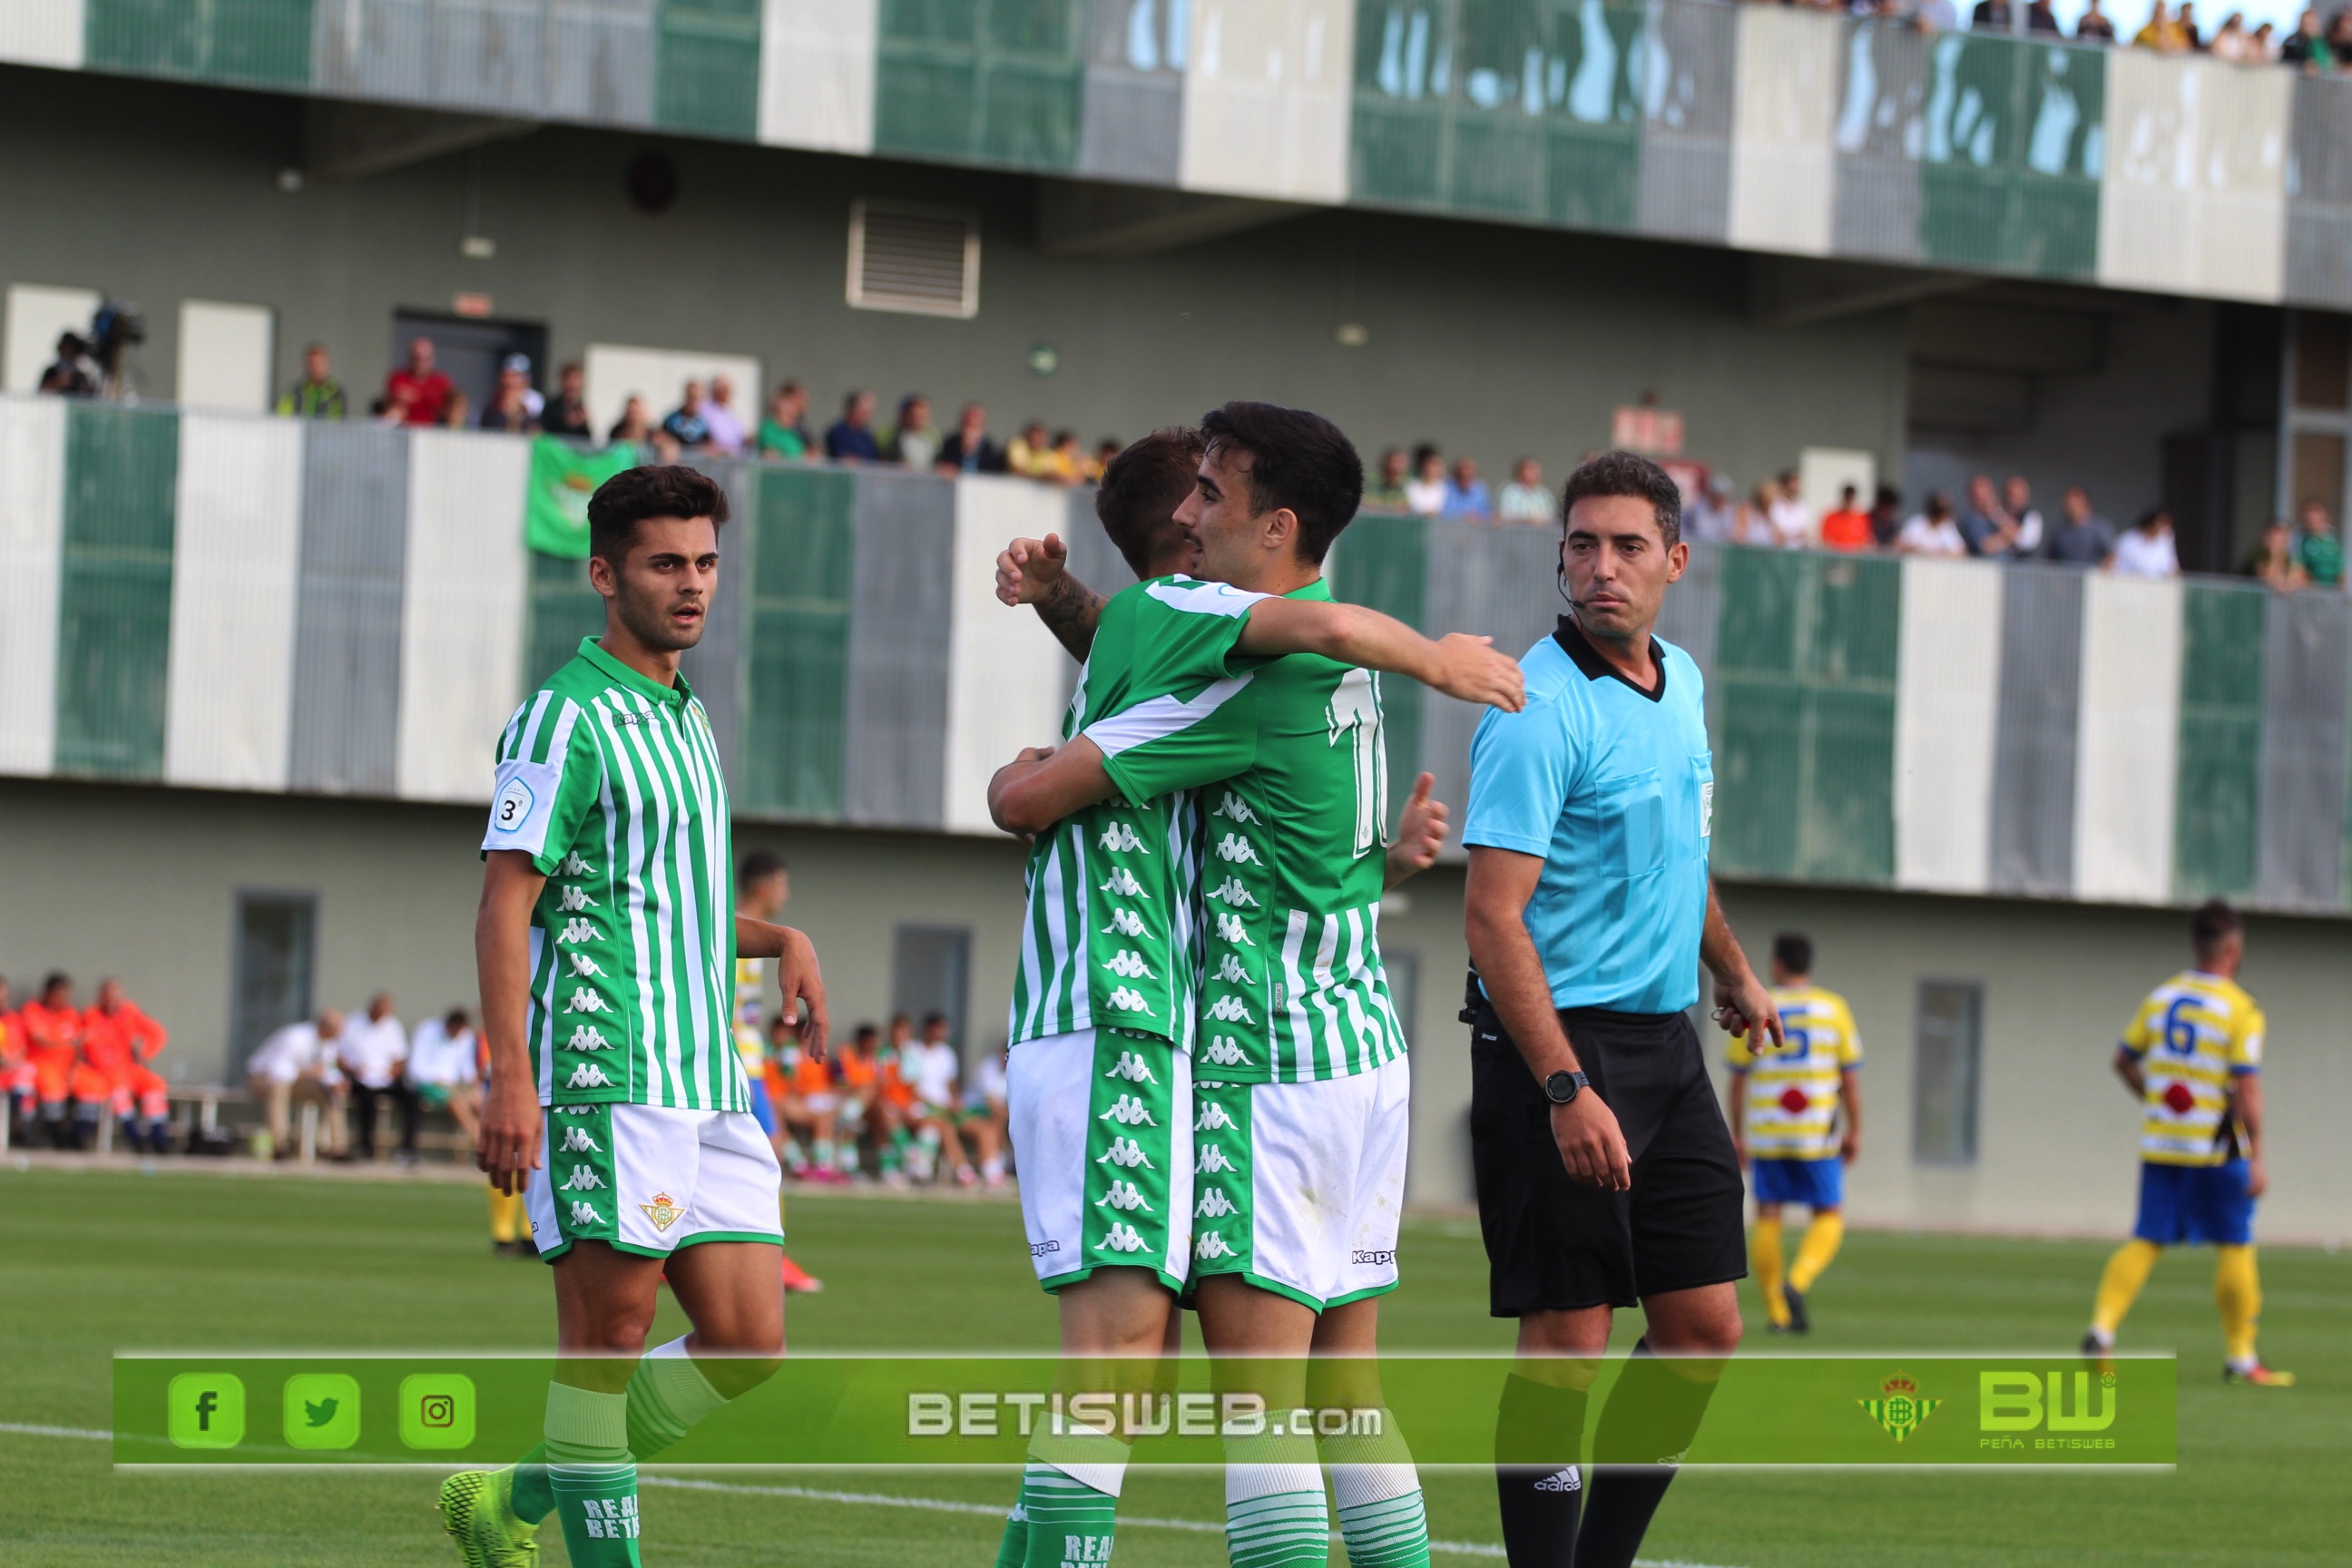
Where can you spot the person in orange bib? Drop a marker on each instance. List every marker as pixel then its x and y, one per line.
pixel 52 1042
pixel 118 1042
pixel 16 1072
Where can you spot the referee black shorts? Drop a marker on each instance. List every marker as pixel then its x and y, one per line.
pixel 1554 1244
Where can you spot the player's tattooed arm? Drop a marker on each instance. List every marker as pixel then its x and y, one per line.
pixel 1040 786
pixel 1742 1006
pixel 1036 571
pixel 1459 666
pixel 1421 834
pixel 797 975
pixel 507 1147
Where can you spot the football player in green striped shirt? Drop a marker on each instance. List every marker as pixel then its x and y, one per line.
pixel 1102 1026
pixel 606 940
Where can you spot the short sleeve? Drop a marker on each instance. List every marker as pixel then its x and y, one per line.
pixel 1171 743
pixel 1522 766
pixel 2142 1032
pixel 1187 634
pixel 2246 1043
pixel 549 774
pixel 1737 1056
pixel 1848 1039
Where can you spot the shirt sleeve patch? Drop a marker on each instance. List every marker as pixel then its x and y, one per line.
pixel 1160 716
pixel 522 805
pixel 1204 598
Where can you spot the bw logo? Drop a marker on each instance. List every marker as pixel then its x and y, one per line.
pixel 1229 1010
pixel 1125 1196
pixel 1213 1161
pixel 1567 1480
pixel 1123 1238
pixel 1216 1206
pixel 574 901
pixel 1230 971
pixel 1899 1409
pixel 1211 1245
pixel 587 1075
pixel 1233 848
pixel 583 966
pixel 584 1179
pixel 577 930
pixel 576 1140
pixel 1127 1154
pixel 1225 1051
pixel 1230 891
pixel 1121 882
pixel 587 1038
pixel 1235 808
pixel 1128 965
pixel 1230 929
pixel 1120 839
pixel 1124 922
pixel 1127 1001
pixel 1129 1111
pixel 584 1216
pixel 575 867
pixel 1132 1068
pixel 1213 1118
pixel 584 1001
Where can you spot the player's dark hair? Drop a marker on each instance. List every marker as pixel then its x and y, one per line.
pixel 632 496
pixel 456 1019
pixel 756 867
pixel 867 1032
pixel 932 1018
pixel 1298 460
pixel 2214 923
pixel 1626 474
pixel 55 978
pixel 1793 951
pixel 1140 491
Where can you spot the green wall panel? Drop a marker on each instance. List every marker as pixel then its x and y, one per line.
pixel 796 677
pixel 1383 563
pixel 564 608
pixel 2010 179
pixel 1803 716
pixel 114 623
pixel 999 81
pixel 707 76
pixel 260 43
pixel 2220 781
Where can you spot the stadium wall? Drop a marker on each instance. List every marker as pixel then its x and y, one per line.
pixel 142 882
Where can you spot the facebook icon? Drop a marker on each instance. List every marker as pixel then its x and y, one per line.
pixel 206 1410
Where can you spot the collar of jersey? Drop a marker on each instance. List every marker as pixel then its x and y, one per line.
pixel 623 675
pixel 1319 589
pixel 1586 658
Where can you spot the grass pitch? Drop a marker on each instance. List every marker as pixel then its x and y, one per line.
pixel 90 1262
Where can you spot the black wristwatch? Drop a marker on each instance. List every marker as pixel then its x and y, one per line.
pixel 1561 1088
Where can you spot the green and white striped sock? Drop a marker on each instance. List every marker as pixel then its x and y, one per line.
pixel 1378 1492
pixel 667 1396
pixel 1070 1499
pixel 1012 1552
pixel 592 1476
pixel 1276 1514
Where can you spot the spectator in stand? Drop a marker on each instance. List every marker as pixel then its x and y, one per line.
pixel 2162 34
pixel 443 1071
pixel 1384 491
pixel 2262 45
pixel 1886 517
pixel 295 1065
pixel 2083 537
pixel 1465 493
pixel 686 423
pixel 2231 41
pixel 373 1053
pixel 2188 28
pixel 1988 530
pixel 119 1046
pixel 970 450
pixel 457 414
pixel 1933 531
pixel 728 434
pixel 914 441
pixel 1712 515
pixel 1790 518
pixel 418 390
pixel 2339 38
pixel 71 374
pixel 1067 461
pixel 1525 499
pixel 2306 46
pixel 850 438
pixel 514 402
pixel 1990 16
pixel 1425 493
pixel 2147 550
pixel 984 1121
pixel 2017 501
pixel 568 414
pixel 929 1067
pixel 631 426
pixel 784 432
pixel 52 1027
pixel 1751 523
pixel 2319 548
pixel 2039 18
pixel 1847 528
pixel 1106 448
pixel 2093 25
pixel 2273 561
pixel 318 395
pixel 1025 454
pixel 1935 15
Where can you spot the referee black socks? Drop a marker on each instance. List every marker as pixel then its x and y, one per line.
pixel 1653 1412
pixel 1539 1433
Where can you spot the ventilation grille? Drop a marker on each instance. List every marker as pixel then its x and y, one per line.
pixel 918 259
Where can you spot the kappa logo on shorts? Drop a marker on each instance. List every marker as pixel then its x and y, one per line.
pixel 1377 1260
pixel 1225 1051
pixel 1124 922
pixel 584 967
pixel 1230 971
pixel 574 901
pixel 584 1000
pixel 1129 1111
pixel 1039 1249
pixel 663 1211
pixel 587 1075
pixel 577 930
pixel 1230 929
pixel 1230 891
pixel 1123 1238
pixel 1213 1161
pixel 1125 1198
pixel 575 867
pixel 585 1215
pixel 1213 1118
pixel 1209 1246
pixel 1127 1154
pixel 1215 1206
pixel 587 1038
pixel 1127 964
pixel 576 1140
pixel 1235 808
pixel 1131 1067
pixel 584 1179
pixel 1233 848
pixel 1120 839
pixel 1127 1001
pixel 1122 883
pixel 1229 1010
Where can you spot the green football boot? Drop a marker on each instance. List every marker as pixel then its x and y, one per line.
pixel 477 1510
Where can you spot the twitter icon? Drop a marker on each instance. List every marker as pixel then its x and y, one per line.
pixel 322 1410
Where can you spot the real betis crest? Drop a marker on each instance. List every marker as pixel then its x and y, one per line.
pixel 663 1211
pixel 1899 1408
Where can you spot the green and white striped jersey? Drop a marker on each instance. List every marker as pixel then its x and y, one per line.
pixel 611 784
pixel 1109 940
pixel 1292 988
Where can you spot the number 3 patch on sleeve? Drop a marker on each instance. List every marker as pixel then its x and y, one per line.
pixel 521 808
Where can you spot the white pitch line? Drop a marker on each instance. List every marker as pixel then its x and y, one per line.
pixel 889 1499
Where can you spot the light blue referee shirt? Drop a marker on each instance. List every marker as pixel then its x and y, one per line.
pixel 1614 787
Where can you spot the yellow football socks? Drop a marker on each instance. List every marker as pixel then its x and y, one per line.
pixel 1814 1254
pixel 506 1216
pixel 2120 1285
pixel 1764 1254
pixel 2238 1292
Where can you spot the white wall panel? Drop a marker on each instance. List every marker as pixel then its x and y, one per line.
pixel 36 314
pixel 32 541
pixel 41 32
pixel 1947 696
pixel 1783 169
pixel 816 74
pixel 1007 678
pixel 224 356
pixel 462 610
pixel 2128 744
pixel 1267 94
pixel 236 560
pixel 2193 199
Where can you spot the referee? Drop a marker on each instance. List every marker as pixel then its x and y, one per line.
pixel 1606 1176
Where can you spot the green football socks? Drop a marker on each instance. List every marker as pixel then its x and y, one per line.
pixel 1378 1492
pixel 1275 1513
pixel 1069 1500
pixel 594 1480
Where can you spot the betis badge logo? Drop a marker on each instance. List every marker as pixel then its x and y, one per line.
pixel 663 1211
pixel 1899 1409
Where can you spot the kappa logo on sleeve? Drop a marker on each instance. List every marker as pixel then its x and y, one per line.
pixel 1129 1111
pixel 1230 891
pixel 1127 1001
pixel 1131 1067
pixel 1127 1154
pixel 587 1038
pixel 1121 882
pixel 1120 839
pixel 1128 965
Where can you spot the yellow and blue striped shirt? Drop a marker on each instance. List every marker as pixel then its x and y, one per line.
pixel 2193 1035
pixel 1792 1092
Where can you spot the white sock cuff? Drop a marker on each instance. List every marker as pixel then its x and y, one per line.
pixel 583 1425
pixel 683 1387
pixel 1354 1485
pixel 1093 1459
pixel 1247 1482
